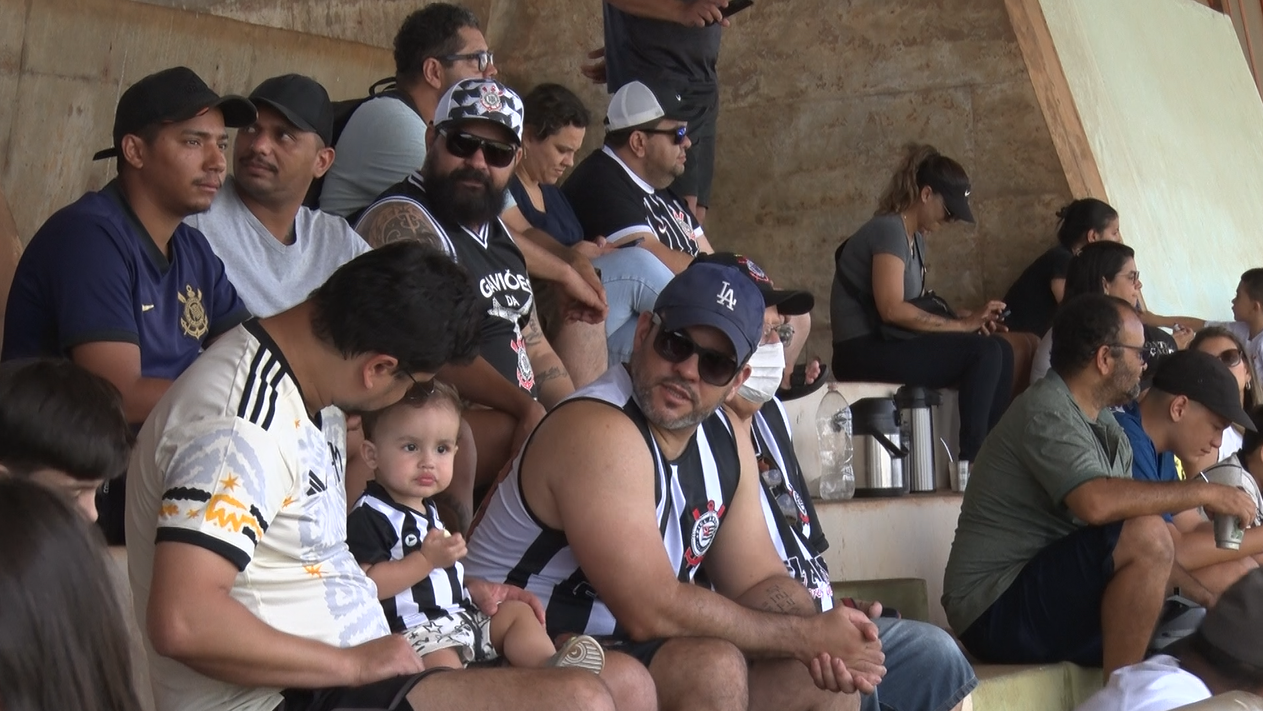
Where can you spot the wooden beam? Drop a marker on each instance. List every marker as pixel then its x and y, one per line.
pixel 1055 100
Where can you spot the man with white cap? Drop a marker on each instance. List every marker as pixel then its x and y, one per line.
pixel 630 486
pixel 1223 655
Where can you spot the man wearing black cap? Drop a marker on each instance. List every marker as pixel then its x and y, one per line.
pixel 629 487
pixel 1223 655
pixel 1059 554
pixel 115 281
pixel 275 250
pixel 1192 400
pixel 452 202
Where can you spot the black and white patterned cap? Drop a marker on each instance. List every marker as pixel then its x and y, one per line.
pixel 485 99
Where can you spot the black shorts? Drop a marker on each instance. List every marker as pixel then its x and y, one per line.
pixel 1052 611
pixel 640 651
pixel 702 109
pixel 385 695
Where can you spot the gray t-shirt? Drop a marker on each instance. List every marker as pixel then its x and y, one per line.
pixel 1041 450
pixel 884 234
pixel 659 52
pixel 272 277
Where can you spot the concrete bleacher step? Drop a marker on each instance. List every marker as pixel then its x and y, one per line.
pixel 907 595
pixel 1036 687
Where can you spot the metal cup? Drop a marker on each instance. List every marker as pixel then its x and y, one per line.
pixel 1228 532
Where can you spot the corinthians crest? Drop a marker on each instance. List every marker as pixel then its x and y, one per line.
pixel 193 319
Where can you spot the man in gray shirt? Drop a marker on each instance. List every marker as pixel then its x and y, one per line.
pixel 275 251
pixel 1059 554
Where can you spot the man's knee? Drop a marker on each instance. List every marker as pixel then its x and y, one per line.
pixel 711 663
pixel 582 691
pixel 629 683
pixel 1145 539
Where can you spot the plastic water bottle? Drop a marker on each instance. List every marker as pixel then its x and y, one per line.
pixel 833 427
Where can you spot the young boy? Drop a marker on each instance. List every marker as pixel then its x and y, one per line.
pixel 62 427
pixel 1247 314
pixel 395 533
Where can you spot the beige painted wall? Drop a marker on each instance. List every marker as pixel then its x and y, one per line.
pixel 818 96
pixel 1174 127
pixel 63 64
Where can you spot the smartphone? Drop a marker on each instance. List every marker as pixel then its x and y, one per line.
pixel 630 243
pixel 735 6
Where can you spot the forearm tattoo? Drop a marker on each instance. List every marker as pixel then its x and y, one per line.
pixel 397 221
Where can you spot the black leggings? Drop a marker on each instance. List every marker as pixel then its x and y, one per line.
pixel 981 367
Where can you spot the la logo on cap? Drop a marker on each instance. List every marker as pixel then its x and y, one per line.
pixel 726 297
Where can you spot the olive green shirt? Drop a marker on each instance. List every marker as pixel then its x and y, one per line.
pixel 1042 449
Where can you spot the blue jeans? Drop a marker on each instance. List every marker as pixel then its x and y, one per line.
pixel 925 670
pixel 632 278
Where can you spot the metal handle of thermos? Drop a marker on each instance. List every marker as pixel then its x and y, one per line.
pixel 897 451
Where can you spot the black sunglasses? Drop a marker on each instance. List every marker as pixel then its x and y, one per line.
pixel 774 480
pixel 1230 357
pixel 419 391
pixel 680 133
pixel 485 58
pixel 713 367
pixel 498 154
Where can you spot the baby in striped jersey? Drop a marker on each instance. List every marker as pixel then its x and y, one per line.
pixel 395 534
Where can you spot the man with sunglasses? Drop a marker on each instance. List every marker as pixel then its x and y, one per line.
pixel 630 485
pixel 1060 555
pixel 453 203
pixel 1193 398
pixel 925 669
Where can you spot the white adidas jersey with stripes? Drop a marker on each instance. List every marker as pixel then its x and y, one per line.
pixel 229 461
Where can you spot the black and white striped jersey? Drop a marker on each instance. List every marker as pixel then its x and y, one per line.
pixel 381 529
pixel 800 542
pixel 691 495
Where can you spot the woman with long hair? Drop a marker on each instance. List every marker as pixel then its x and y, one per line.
pixel 1227 347
pixel 63 643
pixel 1033 298
pixel 880 334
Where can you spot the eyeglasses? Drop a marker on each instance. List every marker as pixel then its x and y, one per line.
pixel 713 367
pixel 774 480
pixel 785 332
pixel 680 133
pixel 498 154
pixel 485 58
pixel 419 390
pixel 1230 357
pixel 1147 352
pixel 1132 276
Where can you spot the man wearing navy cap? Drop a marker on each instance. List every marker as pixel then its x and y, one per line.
pixel 275 250
pixel 115 281
pixel 631 484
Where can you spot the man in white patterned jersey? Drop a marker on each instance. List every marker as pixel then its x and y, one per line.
pixel 628 487
pixel 925 668
pixel 238 557
pixel 452 202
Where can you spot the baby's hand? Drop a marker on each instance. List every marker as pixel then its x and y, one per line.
pixel 442 548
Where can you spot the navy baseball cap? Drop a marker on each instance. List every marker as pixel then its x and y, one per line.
pixel 788 302
pixel 714 295
pixel 301 100
pixel 171 96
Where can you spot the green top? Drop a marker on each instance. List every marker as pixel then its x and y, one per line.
pixel 1041 450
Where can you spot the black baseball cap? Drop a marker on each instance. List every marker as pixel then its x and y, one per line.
pixel 955 197
pixel 1234 625
pixel 1202 378
pixel 301 100
pixel 787 302
pixel 170 96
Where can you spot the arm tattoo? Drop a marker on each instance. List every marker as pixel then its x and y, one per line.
pixel 552 373
pixel 779 600
pixel 533 338
pixel 533 335
pixel 396 221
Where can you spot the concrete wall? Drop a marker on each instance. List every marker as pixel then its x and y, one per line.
pixel 818 96
pixel 1174 129
pixel 64 63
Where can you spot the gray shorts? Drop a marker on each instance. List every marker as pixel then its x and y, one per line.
pixel 468 632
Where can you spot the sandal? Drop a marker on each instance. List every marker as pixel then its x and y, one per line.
pixel 798 385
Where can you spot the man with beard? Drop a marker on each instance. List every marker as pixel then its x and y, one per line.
pixel 453 203
pixel 115 281
pixel 630 486
pixel 276 251
pixel 1059 554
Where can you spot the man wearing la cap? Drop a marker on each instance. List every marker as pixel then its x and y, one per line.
pixel 115 281
pixel 1223 655
pixel 1059 554
pixel 452 202
pixel 925 669
pixel 1192 399
pixel 628 487
pixel 275 250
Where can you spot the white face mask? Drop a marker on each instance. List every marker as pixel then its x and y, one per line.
pixel 767 367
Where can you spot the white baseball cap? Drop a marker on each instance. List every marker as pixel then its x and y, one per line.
pixel 636 104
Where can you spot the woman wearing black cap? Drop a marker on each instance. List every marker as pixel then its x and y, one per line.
pixel 881 334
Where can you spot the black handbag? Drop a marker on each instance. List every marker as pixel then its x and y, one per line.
pixel 929 302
